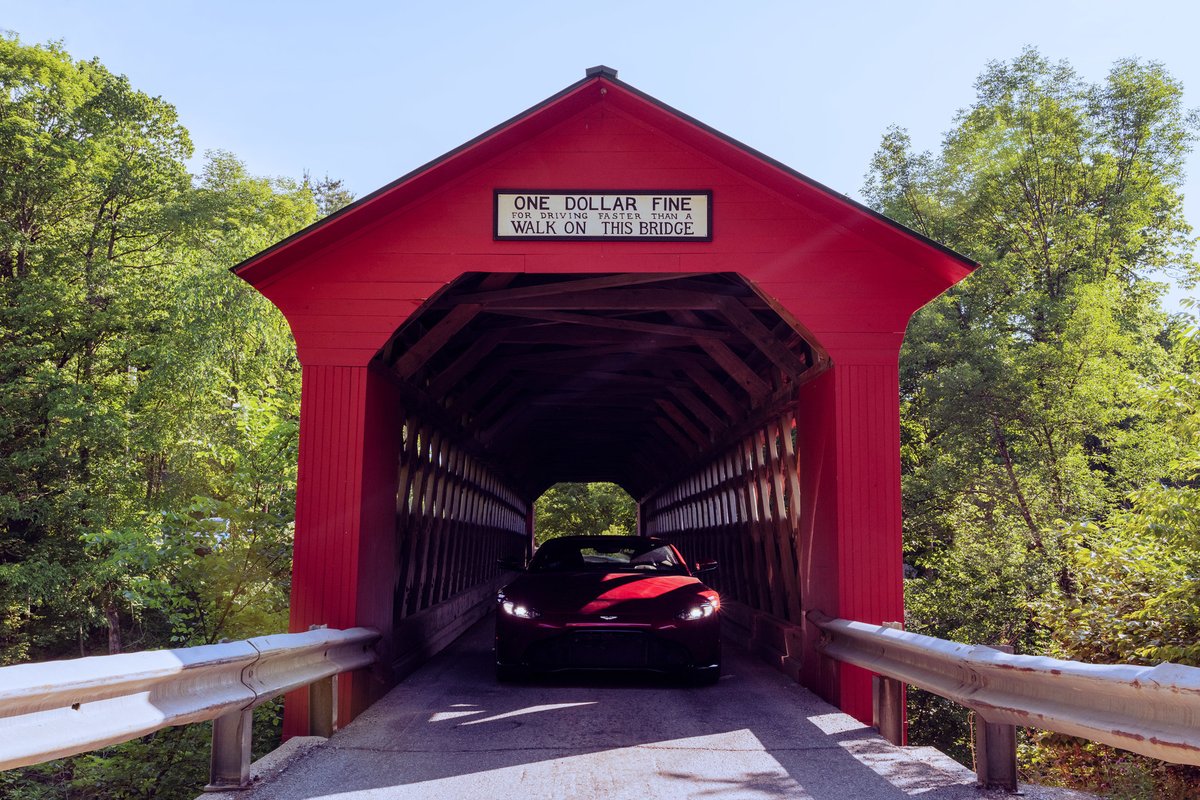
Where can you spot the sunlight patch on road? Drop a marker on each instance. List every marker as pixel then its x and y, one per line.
pixel 442 716
pixel 731 764
pixel 531 710
pixel 831 724
pixel 912 770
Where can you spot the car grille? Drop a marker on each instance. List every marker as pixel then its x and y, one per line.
pixel 607 650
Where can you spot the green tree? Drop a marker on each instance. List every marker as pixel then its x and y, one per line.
pixel 1023 389
pixel 91 176
pixel 150 398
pixel 584 509
pixel 1134 595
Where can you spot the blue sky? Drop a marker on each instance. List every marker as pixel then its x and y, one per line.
pixel 366 91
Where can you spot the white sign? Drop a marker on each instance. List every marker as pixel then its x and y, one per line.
pixel 639 215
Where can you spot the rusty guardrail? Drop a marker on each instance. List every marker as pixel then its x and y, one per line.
pixel 60 708
pixel 1154 711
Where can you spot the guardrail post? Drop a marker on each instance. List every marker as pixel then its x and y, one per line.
pixel 996 749
pixel 887 702
pixel 322 707
pixel 229 765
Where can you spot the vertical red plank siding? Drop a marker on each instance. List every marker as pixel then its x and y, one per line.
pixel 375 568
pixel 870 579
pixel 819 535
pixel 343 552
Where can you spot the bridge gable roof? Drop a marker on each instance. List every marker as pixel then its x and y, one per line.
pixel 852 223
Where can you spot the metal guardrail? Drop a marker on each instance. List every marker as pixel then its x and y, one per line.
pixel 1154 711
pixel 60 708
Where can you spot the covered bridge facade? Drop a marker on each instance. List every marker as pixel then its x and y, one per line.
pixel 599 289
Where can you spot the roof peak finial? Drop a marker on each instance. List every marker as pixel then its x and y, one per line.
pixel 600 71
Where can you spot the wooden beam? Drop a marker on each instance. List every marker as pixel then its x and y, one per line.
pixel 475 391
pixel 762 337
pixel 437 336
pixel 588 403
pixel 509 396
pixel 505 422
pixel 677 436
pixel 617 324
pixel 562 287
pixel 586 354
pixel 592 358
pixel 736 287
pixel 556 333
pixel 686 425
pixel 711 387
pixel 497 280
pixel 628 300
pixel 480 349
pixel 601 378
pixel 730 362
pixel 779 402
pixel 698 409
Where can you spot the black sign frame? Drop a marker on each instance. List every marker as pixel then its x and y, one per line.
pixel 708 193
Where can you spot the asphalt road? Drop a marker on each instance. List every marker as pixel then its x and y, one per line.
pixel 451 731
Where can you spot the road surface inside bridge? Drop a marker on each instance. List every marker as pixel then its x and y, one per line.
pixel 451 731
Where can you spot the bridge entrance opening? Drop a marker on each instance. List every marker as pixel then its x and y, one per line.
pixel 594 508
pixel 510 383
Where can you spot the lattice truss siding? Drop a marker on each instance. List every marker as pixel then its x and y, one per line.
pixel 742 510
pixel 454 519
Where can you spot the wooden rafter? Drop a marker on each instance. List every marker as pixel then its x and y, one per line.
pixel 707 383
pixel 445 380
pixel 685 444
pixel 634 326
pixel 509 397
pixel 698 409
pixel 554 333
pixel 627 300
pixel 561 287
pixel 729 361
pixel 415 356
pixel 603 378
pixel 762 337
pixel 686 425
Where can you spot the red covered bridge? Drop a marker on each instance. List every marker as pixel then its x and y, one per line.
pixel 599 289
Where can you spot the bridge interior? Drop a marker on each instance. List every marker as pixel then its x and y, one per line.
pixel 621 377
pixel 681 388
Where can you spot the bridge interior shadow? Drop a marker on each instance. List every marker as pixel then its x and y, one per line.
pixel 452 731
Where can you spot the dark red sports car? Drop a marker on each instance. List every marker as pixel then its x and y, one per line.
pixel 609 603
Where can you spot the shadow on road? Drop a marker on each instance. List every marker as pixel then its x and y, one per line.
pixel 451 731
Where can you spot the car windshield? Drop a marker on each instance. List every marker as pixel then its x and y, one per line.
pixel 606 554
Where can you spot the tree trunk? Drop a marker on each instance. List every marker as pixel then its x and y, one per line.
pixel 114 628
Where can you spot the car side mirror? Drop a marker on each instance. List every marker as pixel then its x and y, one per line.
pixel 705 566
pixel 513 564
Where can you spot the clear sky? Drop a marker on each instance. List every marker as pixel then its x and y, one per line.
pixel 367 91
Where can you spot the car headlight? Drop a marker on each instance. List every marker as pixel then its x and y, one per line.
pixel 514 609
pixel 705 608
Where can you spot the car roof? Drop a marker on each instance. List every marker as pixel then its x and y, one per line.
pixel 578 541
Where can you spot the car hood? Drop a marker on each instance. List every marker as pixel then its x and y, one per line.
pixel 588 593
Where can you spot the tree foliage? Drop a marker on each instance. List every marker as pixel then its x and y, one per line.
pixel 1046 442
pixel 584 509
pixel 150 398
